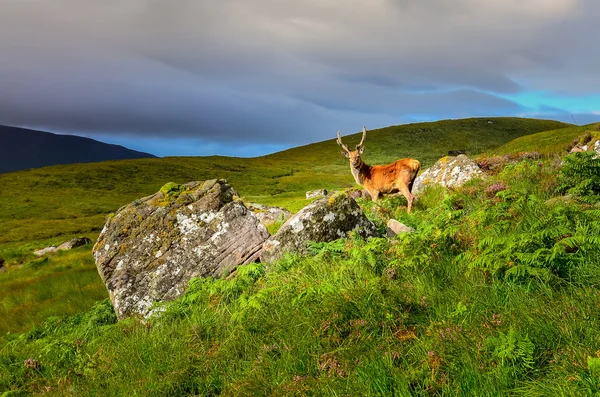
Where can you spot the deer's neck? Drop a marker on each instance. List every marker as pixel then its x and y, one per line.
pixel 359 172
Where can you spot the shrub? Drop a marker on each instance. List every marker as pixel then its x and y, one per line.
pixel 491 190
pixel 580 176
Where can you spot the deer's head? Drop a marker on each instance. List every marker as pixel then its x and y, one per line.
pixel 353 155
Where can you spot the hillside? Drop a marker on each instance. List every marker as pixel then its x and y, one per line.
pixel 24 148
pixel 495 293
pixel 60 201
pixel 546 142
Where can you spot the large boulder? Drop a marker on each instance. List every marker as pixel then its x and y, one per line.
pixel 152 247
pixel 449 172
pixel 326 219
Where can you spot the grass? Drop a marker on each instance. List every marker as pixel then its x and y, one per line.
pixel 60 284
pixel 495 294
pixel 47 206
pixel 548 142
pixel 68 200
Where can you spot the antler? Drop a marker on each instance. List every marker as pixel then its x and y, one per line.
pixel 339 142
pixel 364 135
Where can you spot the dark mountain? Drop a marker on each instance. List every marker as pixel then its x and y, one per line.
pixel 22 148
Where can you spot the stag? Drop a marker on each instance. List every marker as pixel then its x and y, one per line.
pixel 381 179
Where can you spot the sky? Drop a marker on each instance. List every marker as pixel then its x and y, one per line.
pixel 246 78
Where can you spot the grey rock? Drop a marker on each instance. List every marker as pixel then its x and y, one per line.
pixel 597 147
pixel 316 193
pixel 394 227
pixel 449 172
pixel 74 243
pixel 268 215
pixel 152 247
pixel 68 245
pixel 45 251
pixel 359 193
pixel 326 219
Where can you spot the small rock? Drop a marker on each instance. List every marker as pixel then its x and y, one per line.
pixel 394 227
pixel 597 147
pixel 74 243
pixel 576 149
pixel 316 193
pixel 359 193
pixel 68 245
pixel 268 215
pixel 44 251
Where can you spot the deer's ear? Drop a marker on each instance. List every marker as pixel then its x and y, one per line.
pixel 360 149
pixel 345 154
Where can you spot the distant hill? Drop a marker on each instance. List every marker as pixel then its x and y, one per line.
pixel 547 142
pixel 22 148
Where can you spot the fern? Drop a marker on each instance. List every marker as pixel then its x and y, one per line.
pixel 512 351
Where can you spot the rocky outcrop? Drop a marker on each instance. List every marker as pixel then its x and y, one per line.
pixel 326 219
pixel 394 227
pixel 448 172
pixel 268 215
pixel 151 248
pixel 316 193
pixel 68 245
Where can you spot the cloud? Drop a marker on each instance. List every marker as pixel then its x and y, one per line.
pixel 284 72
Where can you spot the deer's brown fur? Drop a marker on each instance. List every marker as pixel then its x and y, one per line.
pixel 397 177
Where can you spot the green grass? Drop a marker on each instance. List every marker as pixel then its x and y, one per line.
pixel 495 294
pixel 548 142
pixel 68 200
pixel 59 284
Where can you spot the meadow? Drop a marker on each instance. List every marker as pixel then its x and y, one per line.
pixel 496 293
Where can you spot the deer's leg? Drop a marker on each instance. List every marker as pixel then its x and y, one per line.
pixel 374 194
pixel 409 197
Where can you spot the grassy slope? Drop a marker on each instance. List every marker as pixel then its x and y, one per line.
pixel 547 142
pixel 41 204
pixel 495 294
pixel 46 206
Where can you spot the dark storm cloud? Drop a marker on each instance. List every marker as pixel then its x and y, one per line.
pixel 284 72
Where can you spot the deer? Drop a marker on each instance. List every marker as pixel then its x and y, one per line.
pixel 381 179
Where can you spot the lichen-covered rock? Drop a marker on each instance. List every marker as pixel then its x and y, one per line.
pixel 316 193
pixel 44 251
pixel 268 215
pixel 597 147
pixel 326 219
pixel 74 243
pixel 68 245
pixel 448 172
pixel 394 227
pixel 152 247
pixel 359 193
